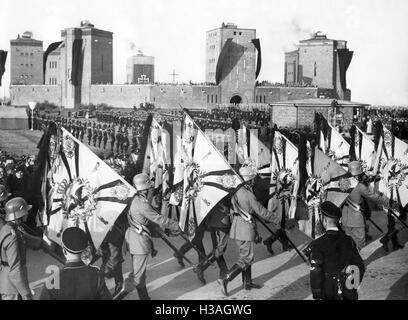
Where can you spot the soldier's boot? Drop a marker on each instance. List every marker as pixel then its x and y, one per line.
pixel 247 280
pixel 202 266
pixel 223 266
pixel 142 291
pixel 283 238
pixel 268 243
pixel 395 243
pixel 231 275
pixel 183 250
pixel 153 253
pixel 386 239
pixel 367 236
pixel 118 287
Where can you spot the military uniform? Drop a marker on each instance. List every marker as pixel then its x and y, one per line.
pixel 353 219
pixel 244 232
pixel 330 256
pixel 100 135
pixel 13 270
pixel 105 138
pixel 82 132
pixel 218 222
pixel 112 257
pixel 112 138
pixel 118 141
pixel 138 239
pixel 94 135
pixel 89 133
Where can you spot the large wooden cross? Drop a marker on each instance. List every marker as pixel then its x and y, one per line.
pixel 174 74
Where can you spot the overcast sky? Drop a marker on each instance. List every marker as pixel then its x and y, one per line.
pixel 174 33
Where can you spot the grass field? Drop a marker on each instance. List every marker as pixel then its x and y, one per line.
pixel 19 142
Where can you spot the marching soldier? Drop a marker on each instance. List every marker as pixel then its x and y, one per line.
pixel 82 131
pixel 125 145
pixel 353 219
pixel 243 230
pixel 69 125
pixel 333 257
pixel 134 141
pixel 89 133
pixel 118 140
pixel 94 134
pixel 13 241
pixel 74 129
pixel 105 138
pixel 111 249
pixel 138 236
pixel 100 135
pixel 77 280
pixel 112 137
pixel 219 223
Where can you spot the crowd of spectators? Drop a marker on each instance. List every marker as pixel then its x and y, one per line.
pixel 393 118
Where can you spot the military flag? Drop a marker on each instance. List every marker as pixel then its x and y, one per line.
pixel 179 143
pixel 331 141
pixel 154 156
pixel 167 141
pixel 393 169
pixel 284 170
pixel 208 177
pixel 252 151
pixel 305 213
pixel 362 148
pixel 329 181
pixel 84 191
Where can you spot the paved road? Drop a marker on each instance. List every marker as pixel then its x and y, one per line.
pixel 285 275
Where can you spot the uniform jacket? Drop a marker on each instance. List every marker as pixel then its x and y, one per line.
pixel 330 254
pixel 244 200
pixel 140 213
pixel 352 215
pixel 78 282
pixel 13 270
pixel 219 217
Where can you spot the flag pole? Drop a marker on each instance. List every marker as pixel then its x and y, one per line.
pixel 162 235
pixel 286 236
pixel 243 182
pixel 47 251
pixel 392 211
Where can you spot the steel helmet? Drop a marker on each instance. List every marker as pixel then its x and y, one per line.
pixel 16 208
pixel 142 182
pixel 247 173
pixel 355 168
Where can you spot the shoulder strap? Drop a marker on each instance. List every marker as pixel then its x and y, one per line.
pixel 1 244
pixel 244 215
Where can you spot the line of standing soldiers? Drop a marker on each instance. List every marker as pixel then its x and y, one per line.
pixel 97 135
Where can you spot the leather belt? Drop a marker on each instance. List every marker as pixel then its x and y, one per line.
pixel 140 229
pixel 352 204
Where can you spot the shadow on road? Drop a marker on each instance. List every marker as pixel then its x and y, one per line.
pixel 399 290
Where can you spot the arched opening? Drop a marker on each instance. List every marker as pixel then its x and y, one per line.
pixel 236 100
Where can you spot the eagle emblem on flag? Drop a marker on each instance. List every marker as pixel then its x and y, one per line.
pixel 393 173
pixel 85 192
